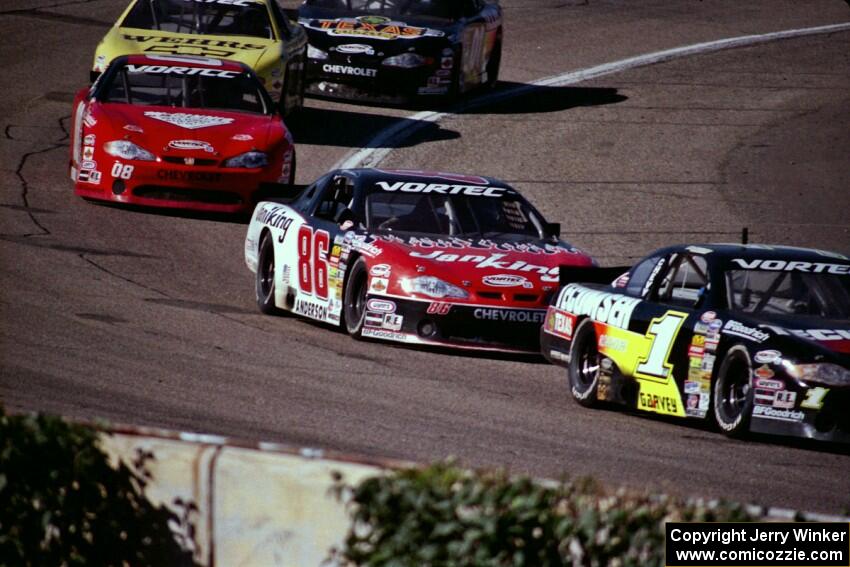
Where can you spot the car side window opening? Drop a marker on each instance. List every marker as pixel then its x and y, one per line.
pixel 789 293
pixel 280 19
pixel 337 201
pixel 686 283
pixel 640 276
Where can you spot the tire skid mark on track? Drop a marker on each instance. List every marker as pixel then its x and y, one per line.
pixel 382 143
pixel 24 183
pixel 130 281
pixel 168 300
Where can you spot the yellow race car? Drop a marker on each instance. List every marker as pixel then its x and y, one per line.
pixel 254 32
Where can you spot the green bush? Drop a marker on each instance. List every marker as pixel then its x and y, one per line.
pixel 444 516
pixel 61 503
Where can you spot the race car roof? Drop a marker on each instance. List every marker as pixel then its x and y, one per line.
pixel 759 251
pixel 182 61
pixel 369 176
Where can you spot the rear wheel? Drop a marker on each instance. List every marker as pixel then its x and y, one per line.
pixel 266 277
pixel 585 359
pixel 354 304
pixel 732 396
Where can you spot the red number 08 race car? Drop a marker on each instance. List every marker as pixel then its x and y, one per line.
pixel 409 256
pixel 178 132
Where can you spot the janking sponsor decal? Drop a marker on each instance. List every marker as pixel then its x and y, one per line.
pixel 481 261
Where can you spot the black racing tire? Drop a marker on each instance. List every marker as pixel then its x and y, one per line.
pixel 266 276
pixel 291 180
pixel 583 371
pixel 732 396
pixel 455 89
pixel 494 63
pixel 354 298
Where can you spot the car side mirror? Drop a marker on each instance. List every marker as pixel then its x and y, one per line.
pixel 552 230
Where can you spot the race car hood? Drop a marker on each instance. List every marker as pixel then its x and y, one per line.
pixel 193 133
pixel 485 268
pixel 382 36
pixel 127 41
pixel 813 333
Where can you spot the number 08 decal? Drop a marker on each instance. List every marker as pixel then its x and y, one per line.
pixel 662 332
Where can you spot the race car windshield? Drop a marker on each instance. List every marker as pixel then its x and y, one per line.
pixel 789 293
pixel 161 87
pixel 238 17
pixel 443 9
pixel 451 215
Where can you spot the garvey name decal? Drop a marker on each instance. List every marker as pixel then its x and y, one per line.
pixel 346 70
pixel 183 71
pixel 443 188
pixel 786 266
pixel 512 315
pixel 656 403
pixel 611 308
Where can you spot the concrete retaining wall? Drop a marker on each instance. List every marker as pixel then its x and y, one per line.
pixel 258 504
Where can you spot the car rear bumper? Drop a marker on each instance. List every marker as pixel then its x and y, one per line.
pixel 473 327
pixel 154 184
pixel 375 83
pixel 830 424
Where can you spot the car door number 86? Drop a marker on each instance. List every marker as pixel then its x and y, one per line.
pixel 312 264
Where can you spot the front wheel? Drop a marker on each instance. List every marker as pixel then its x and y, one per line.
pixel 585 359
pixel 266 277
pixel 732 396
pixel 354 303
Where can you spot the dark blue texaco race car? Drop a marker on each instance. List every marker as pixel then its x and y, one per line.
pixel 396 50
pixel 756 338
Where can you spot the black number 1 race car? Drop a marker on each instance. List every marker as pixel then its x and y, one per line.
pixel 755 337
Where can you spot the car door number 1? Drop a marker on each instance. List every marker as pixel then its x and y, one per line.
pixel 662 332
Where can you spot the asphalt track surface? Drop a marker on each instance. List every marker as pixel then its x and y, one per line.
pixel 149 319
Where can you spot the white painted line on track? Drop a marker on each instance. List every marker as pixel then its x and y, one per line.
pixel 381 144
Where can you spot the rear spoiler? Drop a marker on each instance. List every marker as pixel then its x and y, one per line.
pixel 590 274
pixel 280 192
